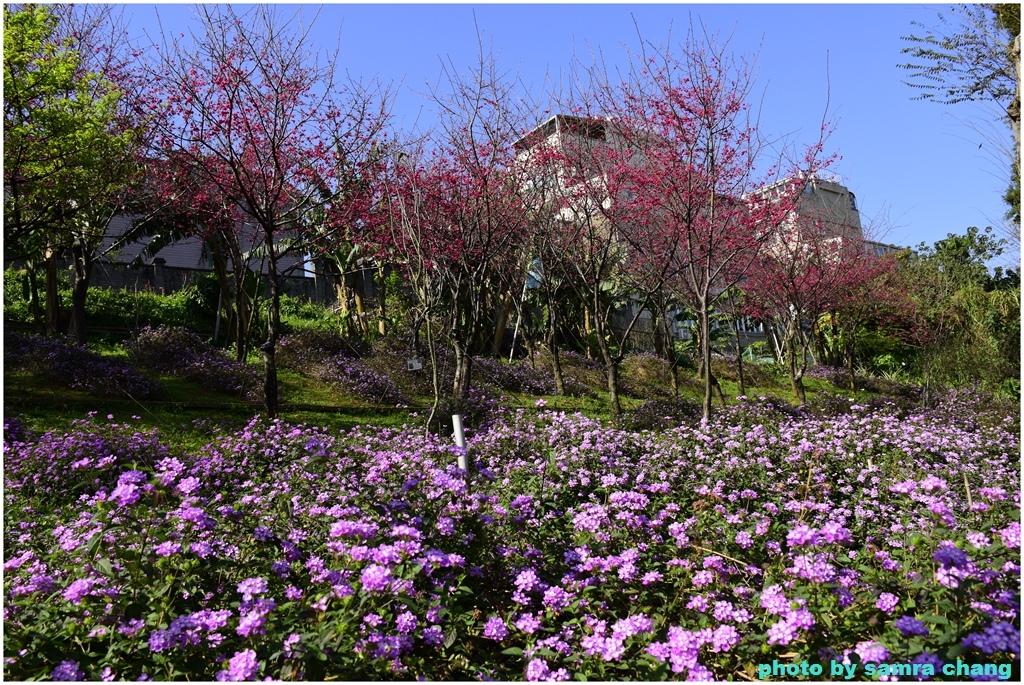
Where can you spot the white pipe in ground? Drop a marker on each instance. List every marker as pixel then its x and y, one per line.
pixel 460 442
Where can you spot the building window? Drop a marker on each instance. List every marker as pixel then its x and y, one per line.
pixel 853 202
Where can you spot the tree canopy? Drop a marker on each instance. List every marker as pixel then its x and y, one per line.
pixel 972 55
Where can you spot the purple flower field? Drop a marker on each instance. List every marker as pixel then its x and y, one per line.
pixel 881 535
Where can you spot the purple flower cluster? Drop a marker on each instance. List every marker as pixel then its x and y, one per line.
pixel 910 626
pixel 517 377
pixel 69 365
pixel 887 602
pixel 181 353
pixel 562 547
pixel 997 637
pixel 338 363
pixel 241 667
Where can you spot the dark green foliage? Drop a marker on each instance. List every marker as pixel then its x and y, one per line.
pixel 194 306
pixel 972 56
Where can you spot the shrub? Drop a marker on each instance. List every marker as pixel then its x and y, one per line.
pixel 390 356
pixel 755 375
pixel 517 377
pixel 582 377
pixel 298 351
pixel 356 378
pixel 299 314
pixel 64 362
pixel 335 361
pixel 660 414
pixel 645 375
pixel 180 353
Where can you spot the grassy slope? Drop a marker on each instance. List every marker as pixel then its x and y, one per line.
pixel 184 409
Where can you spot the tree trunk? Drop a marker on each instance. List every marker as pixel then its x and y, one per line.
pixel 341 291
pixel 358 289
pixel 717 389
pixel 227 299
pixel 241 316
pixel 435 377
pixel 556 363
pixel 83 261
pixel 38 320
pixel 587 330
pixel 849 365
pixel 463 371
pixel 819 344
pixel 775 345
pixel 382 300
pixel 705 356
pixel 270 388
pixel 52 294
pixel 739 358
pixel 241 300
pixel 796 380
pixel 658 331
pixel 611 372
pixel 556 369
pixel 502 323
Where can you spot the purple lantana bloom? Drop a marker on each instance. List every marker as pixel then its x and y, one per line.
pixel 252 586
pixel 495 629
pixel 68 671
pixel 241 667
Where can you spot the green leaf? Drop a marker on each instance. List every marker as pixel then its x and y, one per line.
pixel 513 651
pixel 935 619
pixel 93 544
pixel 955 651
pixel 103 566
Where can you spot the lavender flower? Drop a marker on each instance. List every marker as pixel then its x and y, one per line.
pixel 495 629
pixel 241 667
pixel 998 637
pixel 252 586
pixel 376 578
pixel 910 626
pixel 887 602
pixel 68 671
pixel 871 651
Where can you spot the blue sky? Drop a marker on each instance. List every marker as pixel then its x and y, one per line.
pixel 920 170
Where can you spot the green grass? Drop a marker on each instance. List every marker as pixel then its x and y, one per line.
pixel 183 408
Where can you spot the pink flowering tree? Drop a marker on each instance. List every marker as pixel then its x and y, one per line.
pixel 264 121
pixel 804 273
pixel 872 296
pixel 593 226
pixel 658 190
pixel 164 218
pixel 703 161
pixel 457 216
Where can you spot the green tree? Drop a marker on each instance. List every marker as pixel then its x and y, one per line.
pixel 68 145
pixel 962 320
pixel 963 258
pixel 972 55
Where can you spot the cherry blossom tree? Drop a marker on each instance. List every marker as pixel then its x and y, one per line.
pixel 600 239
pixel 872 295
pixel 658 180
pixel 264 120
pixel 806 271
pixel 458 215
pixel 208 213
pixel 704 160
